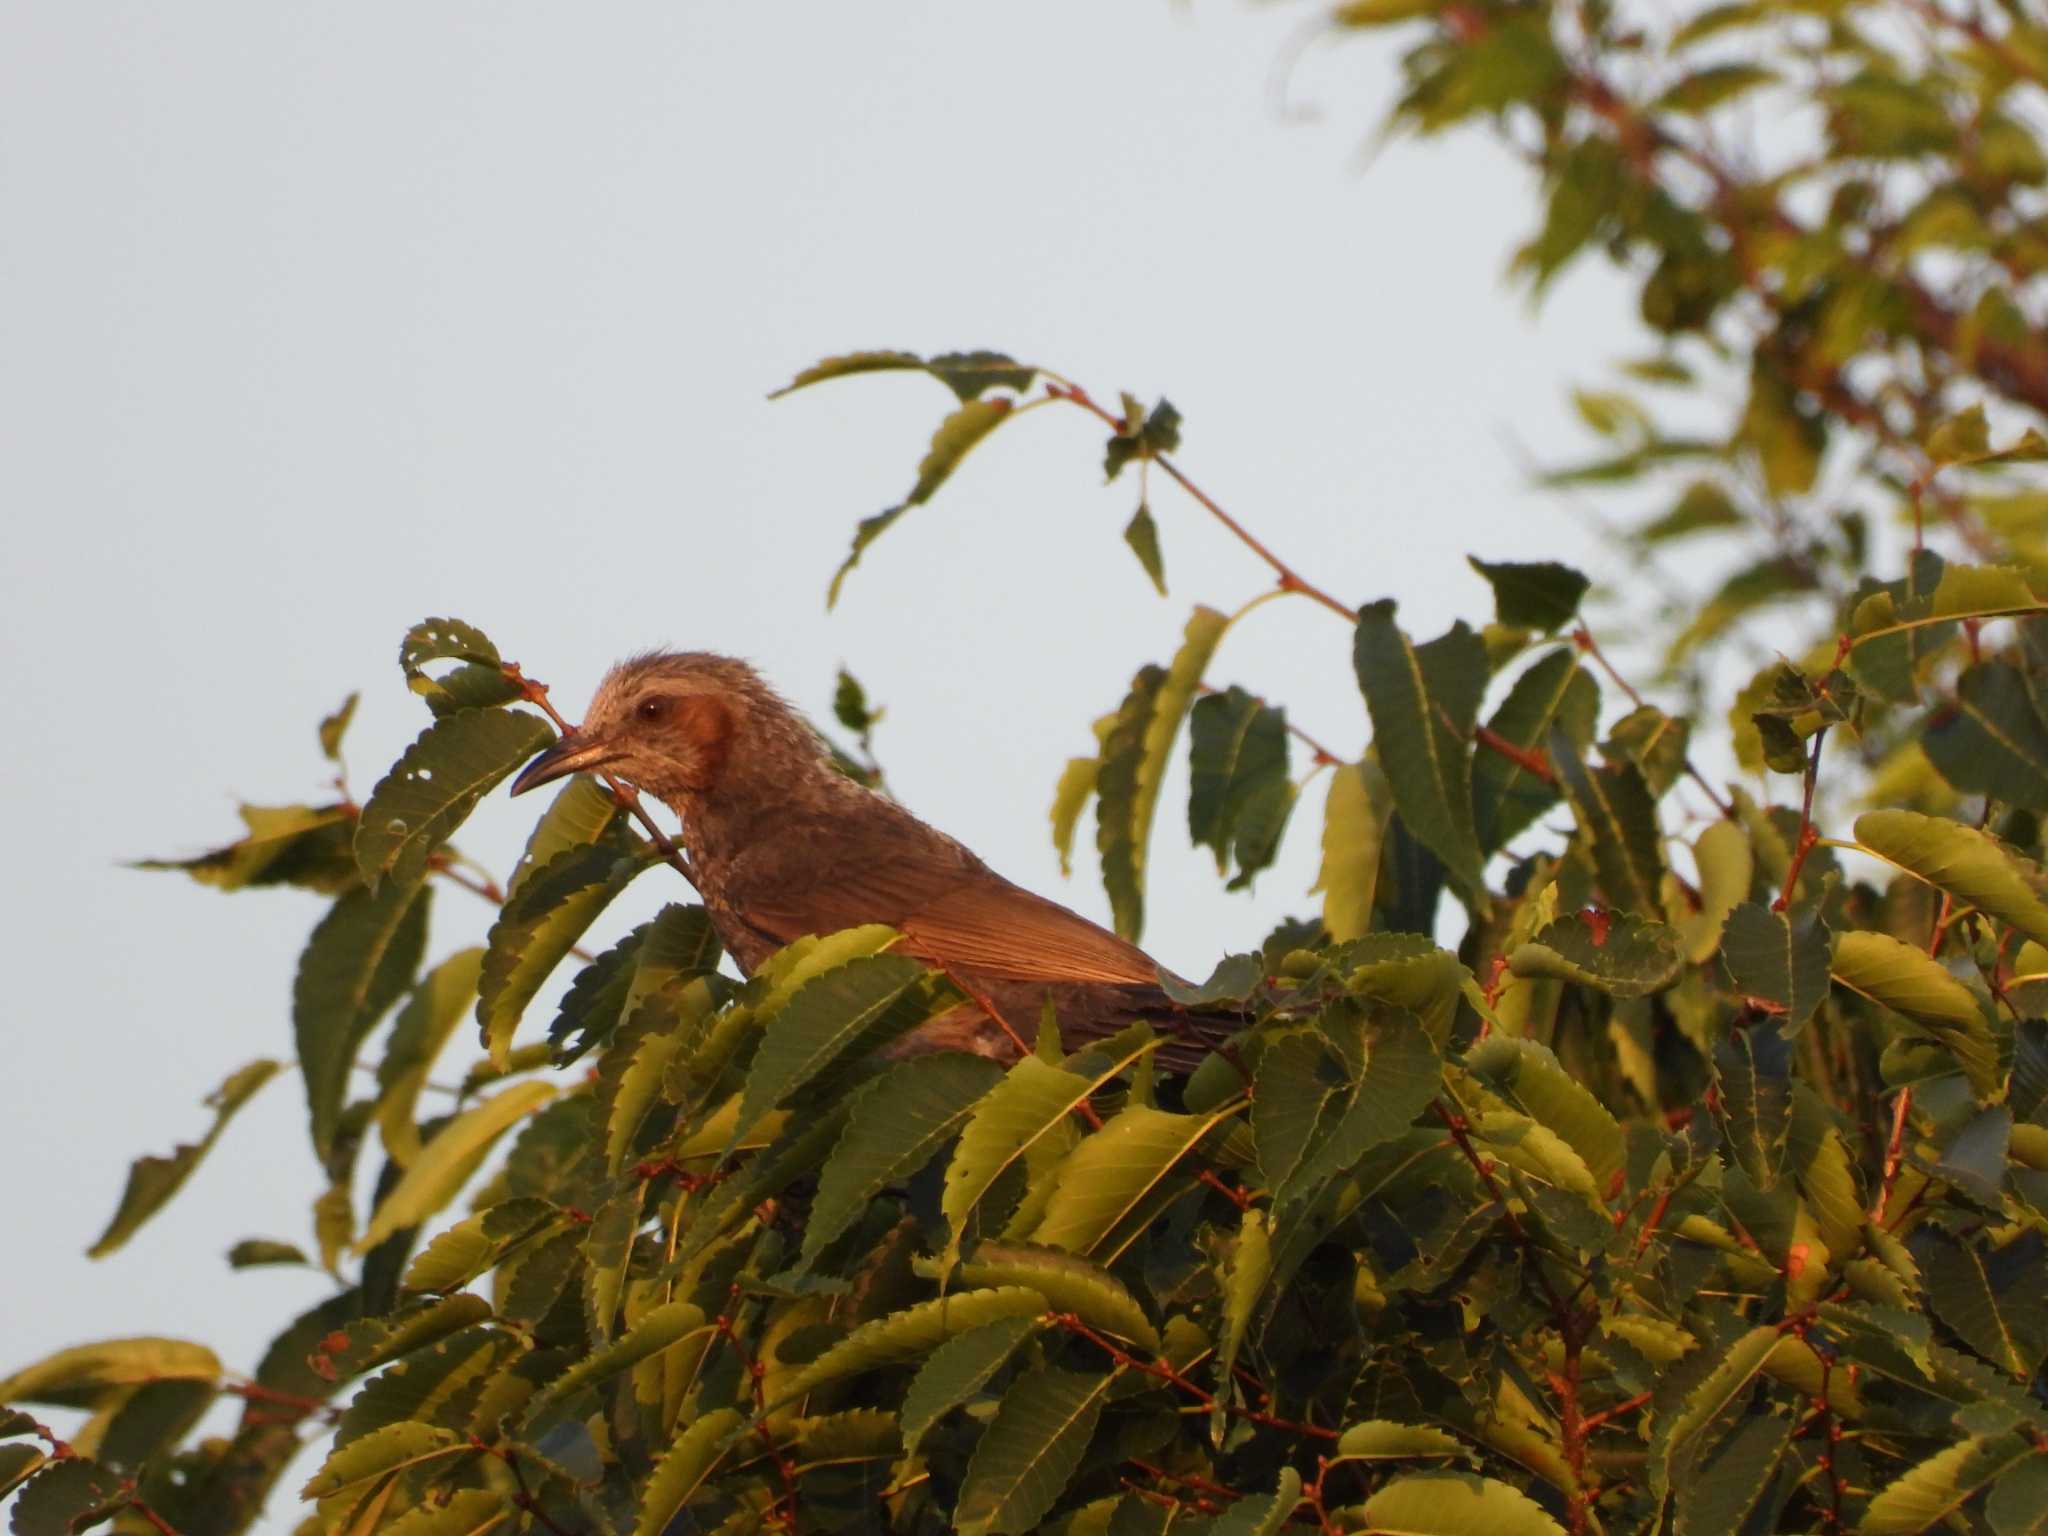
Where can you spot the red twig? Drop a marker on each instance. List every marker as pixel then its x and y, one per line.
pixel 1893 1153
pixel 1807 836
pixel 1159 1370
pixel 1290 579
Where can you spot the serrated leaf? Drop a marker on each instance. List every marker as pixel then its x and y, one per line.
pixel 468 1512
pixel 1614 953
pixel 1968 864
pixel 659 1328
pixel 1108 1176
pixel 1423 701
pixel 445 1164
pixel 1617 819
pixel 1239 791
pixel 458 1255
pixel 1025 1109
pixel 1753 1073
pixel 1726 865
pixel 682 1469
pixel 896 1125
pixel 1384 1440
pixel 358 962
pixel 1686 1441
pixel 1528 1076
pixel 542 919
pixel 956 1371
pixel 436 783
pixel 1455 1504
pixel 1555 694
pixel 422 1028
pixel 1030 1452
pixel 380 1452
pixel 1543 595
pixel 1245 1273
pixel 1779 957
pixel 91 1375
pixel 152 1181
pixel 822 1019
pixel 478 681
pixel 1991 740
pixel 71 1495
pixel 1068 1282
pixel 1134 756
pixel 1906 980
pixel 1261 1514
pixel 1923 1496
pixel 913 1333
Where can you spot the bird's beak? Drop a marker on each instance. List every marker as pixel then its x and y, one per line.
pixel 574 753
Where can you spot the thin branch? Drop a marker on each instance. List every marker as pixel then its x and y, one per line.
pixel 1582 637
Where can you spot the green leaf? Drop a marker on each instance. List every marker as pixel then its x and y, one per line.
pixel 1369 1104
pixel 1528 1076
pixel 1133 764
pixel 659 1328
pixel 458 1255
pixel 477 682
pixel 253 1252
pixel 1703 508
pixel 69 1496
pixel 1544 595
pixel 1030 1452
pixel 1753 1073
pixel 1022 1113
pixel 1991 740
pixel 379 1453
pixel 1968 864
pixel 1964 436
pixel 1142 534
pixel 543 917
pixel 827 1015
pixel 446 1163
pixel 913 1333
pixel 468 1512
pixel 683 1467
pixel 360 959
pixel 849 363
pixel 422 1029
pixel 955 438
pixel 1424 701
pixel 1555 694
pixel 1067 1282
pixel 1261 1514
pixel 1107 1177
pixel 1355 818
pixel 1726 865
pixel 1617 817
pixel 1687 1441
pixel 1617 954
pixel 1245 1273
pixel 436 783
pixel 896 1125
pixel 1239 791
pixel 1780 958
pixel 1926 1494
pixel 300 845
pixel 1384 1440
pixel 1454 1504
pixel 1075 789
pixel 1705 89
pixel 968 374
pixel 1990 1294
pixel 94 1375
pixel 152 1181
pixel 1905 979
pixel 957 1370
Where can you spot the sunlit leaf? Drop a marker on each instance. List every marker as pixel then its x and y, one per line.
pixel 152 1181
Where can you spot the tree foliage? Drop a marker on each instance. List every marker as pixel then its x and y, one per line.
pixel 1618 1148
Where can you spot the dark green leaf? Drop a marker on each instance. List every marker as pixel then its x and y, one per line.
pixel 1616 953
pixel 1543 595
pixel 957 1370
pixel 1239 791
pixel 477 681
pixel 359 961
pixel 1142 534
pixel 1030 1452
pixel 438 781
pixel 251 1252
pixel 1991 739
pixel 1778 957
pixel 1423 702
pixel 1555 694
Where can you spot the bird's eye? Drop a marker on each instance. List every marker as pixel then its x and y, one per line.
pixel 652 709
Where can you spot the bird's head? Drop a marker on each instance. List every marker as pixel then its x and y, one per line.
pixel 667 723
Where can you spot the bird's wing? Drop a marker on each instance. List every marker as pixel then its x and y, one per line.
pixel 951 914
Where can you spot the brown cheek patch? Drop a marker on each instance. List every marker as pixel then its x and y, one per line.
pixel 706 724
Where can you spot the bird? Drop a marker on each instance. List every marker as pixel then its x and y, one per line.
pixel 783 844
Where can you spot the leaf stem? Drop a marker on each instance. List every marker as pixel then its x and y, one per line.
pixel 1582 637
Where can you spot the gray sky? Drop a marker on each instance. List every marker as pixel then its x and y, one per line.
pixel 320 319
